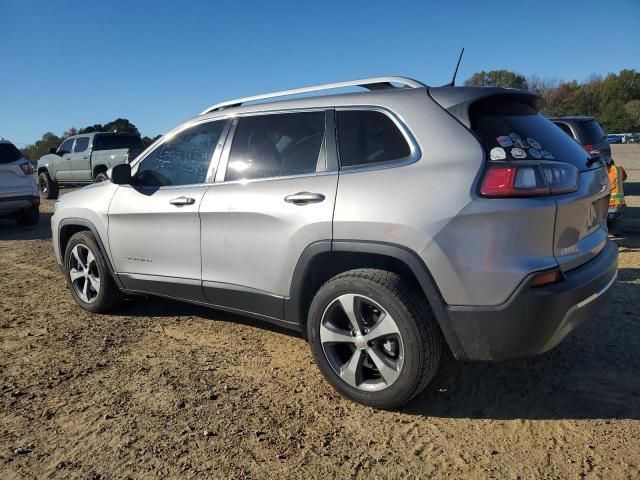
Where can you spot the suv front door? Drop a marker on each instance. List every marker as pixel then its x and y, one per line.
pixel 154 225
pixel 273 197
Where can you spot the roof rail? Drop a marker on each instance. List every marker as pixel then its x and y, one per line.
pixel 375 83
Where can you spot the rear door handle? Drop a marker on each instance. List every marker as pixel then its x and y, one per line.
pixel 304 198
pixel 182 201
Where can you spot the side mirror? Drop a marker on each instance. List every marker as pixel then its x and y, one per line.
pixel 53 150
pixel 120 174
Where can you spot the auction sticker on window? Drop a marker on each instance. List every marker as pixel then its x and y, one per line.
pixel 498 153
pixel 504 141
pixel 518 153
pixel 535 153
pixel 534 143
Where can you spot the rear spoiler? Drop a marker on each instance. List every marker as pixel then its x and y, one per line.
pixel 457 100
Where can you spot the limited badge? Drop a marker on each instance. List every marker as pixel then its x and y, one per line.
pixel 505 141
pixel 547 155
pixel 533 143
pixel 535 153
pixel 517 140
pixel 498 153
pixel 518 153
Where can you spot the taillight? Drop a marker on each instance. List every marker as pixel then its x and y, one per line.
pixel 529 179
pixel 594 152
pixel 26 168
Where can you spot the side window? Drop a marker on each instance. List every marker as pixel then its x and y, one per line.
pixel 81 144
pixel 65 147
pixel 276 145
pixel 565 128
pixel 367 137
pixel 183 159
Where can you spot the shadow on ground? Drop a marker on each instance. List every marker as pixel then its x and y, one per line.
pixel 10 230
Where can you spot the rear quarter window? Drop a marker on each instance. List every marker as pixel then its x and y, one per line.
pixel 510 129
pixel 9 153
pixel 368 137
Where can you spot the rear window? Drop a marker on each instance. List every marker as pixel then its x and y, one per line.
pixel 9 153
pixel 590 132
pixel 511 130
pixel 115 141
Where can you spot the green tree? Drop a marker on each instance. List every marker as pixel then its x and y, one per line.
pixel 633 112
pixel 497 78
pixel 42 146
pixel 121 125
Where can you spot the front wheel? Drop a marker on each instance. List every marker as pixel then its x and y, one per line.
pixel 374 337
pixel 88 276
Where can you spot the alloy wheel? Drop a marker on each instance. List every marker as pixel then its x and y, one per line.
pixel 84 273
pixel 362 342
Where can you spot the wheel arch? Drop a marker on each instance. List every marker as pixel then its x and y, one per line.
pixel 323 260
pixel 70 226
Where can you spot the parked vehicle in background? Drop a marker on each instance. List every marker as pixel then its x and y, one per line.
pixel 386 224
pixel 19 198
pixel 611 138
pixel 84 159
pixel 588 133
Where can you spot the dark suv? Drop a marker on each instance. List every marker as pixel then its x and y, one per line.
pixel 588 133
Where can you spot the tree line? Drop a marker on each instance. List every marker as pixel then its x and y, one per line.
pixel 613 99
pixel 50 140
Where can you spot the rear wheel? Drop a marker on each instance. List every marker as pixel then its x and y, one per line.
pixel 88 276
pixel 28 216
pixel 374 337
pixel 48 187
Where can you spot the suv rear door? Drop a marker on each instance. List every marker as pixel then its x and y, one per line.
pixel 274 196
pixel 13 181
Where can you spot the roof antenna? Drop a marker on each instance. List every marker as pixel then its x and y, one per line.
pixel 455 73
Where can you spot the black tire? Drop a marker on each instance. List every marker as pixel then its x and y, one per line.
pixel 420 334
pixel 28 216
pixel 108 296
pixel 101 177
pixel 48 187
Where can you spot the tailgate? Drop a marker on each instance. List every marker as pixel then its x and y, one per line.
pixel 581 220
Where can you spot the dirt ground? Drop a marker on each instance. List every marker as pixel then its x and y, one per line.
pixel 164 390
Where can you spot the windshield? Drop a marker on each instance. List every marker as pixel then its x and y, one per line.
pixel 511 130
pixel 113 141
pixel 9 153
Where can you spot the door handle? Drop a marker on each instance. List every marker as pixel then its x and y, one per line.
pixel 304 198
pixel 84 157
pixel 182 201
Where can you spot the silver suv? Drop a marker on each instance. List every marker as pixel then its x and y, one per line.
pixel 386 225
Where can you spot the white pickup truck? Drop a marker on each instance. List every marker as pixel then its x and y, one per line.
pixel 85 158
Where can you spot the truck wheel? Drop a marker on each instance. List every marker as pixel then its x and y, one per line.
pixel 48 188
pixel 374 337
pixel 88 276
pixel 101 177
pixel 28 216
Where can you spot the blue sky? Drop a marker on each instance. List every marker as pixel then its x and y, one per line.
pixel 66 64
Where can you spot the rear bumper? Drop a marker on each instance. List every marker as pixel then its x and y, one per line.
pixel 14 203
pixel 534 320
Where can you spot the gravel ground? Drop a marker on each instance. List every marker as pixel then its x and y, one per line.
pixel 163 389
